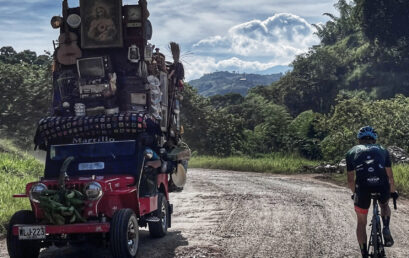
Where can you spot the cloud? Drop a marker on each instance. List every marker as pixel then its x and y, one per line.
pixel 280 38
pixel 256 46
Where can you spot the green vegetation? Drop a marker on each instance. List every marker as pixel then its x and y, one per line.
pixel 25 83
pixel 16 170
pixel 273 163
pixel 401 176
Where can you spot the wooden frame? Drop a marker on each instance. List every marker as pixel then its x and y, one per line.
pixel 101 25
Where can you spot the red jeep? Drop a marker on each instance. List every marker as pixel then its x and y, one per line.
pixel 112 136
pixel 93 191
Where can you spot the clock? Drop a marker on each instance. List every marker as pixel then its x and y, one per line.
pixel 133 16
pixel 133 13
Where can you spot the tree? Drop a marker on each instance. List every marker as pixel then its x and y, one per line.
pixel 313 83
pixel 221 101
pixel 224 134
pixel 25 98
pixel 194 115
pixel 384 20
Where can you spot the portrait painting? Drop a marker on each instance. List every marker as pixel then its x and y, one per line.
pixel 101 23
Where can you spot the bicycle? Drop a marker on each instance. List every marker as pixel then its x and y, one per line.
pixel 376 242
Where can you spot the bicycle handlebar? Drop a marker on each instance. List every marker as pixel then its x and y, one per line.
pixel 394 204
pixel 394 201
pixel 394 196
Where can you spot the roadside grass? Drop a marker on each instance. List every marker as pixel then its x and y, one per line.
pixel 276 163
pixel 9 147
pixel 16 170
pixel 288 164
pixel 400 174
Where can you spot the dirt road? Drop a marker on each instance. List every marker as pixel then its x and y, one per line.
pixel 237 214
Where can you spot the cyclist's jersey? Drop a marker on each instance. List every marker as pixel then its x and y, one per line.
pixel 369 162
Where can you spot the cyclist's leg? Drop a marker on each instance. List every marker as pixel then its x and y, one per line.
pixel 386 215
pixel 384 200
pixel 362 202
pixel 385 210
pixel 361 231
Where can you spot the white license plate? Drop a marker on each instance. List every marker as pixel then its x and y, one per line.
pixel 91 166
pixel 31 232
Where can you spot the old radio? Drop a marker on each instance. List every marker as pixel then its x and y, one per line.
pixel 93 82
pixel 93 90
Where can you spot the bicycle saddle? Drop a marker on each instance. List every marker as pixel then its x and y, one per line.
pixel 374 195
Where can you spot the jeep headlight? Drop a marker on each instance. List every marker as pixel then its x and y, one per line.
pixel 35 192
pixel 93 191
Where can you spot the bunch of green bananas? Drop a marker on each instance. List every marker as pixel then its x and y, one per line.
pixel 62 206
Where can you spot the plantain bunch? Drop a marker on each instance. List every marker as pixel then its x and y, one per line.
pixel 62 206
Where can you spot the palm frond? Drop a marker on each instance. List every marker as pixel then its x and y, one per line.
pixel 333 17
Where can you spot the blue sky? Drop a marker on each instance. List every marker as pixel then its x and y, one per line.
pixel 260 36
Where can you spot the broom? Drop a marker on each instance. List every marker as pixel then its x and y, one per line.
pixel 175 50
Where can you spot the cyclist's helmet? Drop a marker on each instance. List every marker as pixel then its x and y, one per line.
pixel 367 131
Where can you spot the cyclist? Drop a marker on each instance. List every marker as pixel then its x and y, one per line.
pixel 371 165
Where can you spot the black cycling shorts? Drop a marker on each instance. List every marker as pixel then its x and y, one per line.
pixel 362 198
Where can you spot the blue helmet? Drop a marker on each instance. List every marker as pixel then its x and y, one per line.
pixel 367 131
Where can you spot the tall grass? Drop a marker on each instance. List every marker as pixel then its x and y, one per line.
pixel 401 176
pixel 272 163
pixel 16 170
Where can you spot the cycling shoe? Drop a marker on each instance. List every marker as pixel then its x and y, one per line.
pixel 387 237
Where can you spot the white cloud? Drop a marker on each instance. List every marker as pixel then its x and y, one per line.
pixel 193 20
pixel 253 46
pixel 279 37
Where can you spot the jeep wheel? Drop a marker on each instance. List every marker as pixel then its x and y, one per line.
pixel 160 228
pixel 124 234
pixel 21 248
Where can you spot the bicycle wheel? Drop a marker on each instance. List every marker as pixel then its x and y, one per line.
pixel 380 245
pixel 373 239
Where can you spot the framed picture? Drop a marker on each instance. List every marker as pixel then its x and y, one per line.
pixel 101 25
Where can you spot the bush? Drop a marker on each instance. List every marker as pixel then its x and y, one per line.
pixel 388 117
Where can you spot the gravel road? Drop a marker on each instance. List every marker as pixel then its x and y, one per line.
pixel 238 214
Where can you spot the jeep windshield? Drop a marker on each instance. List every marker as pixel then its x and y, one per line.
pixel 93 150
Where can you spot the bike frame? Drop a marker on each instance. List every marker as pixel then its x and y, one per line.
pixel 376 239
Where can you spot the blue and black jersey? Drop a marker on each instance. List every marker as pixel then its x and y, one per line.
pixel 369 161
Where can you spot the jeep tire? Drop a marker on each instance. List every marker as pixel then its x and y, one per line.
pixel 124 234
pixel 160 228
pixel 22 248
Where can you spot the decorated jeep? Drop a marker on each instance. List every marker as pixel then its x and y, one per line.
pixel 113 140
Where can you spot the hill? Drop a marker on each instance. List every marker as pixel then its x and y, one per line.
pixel 227 82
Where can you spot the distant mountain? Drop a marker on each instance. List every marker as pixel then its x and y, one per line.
pixel 227 82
